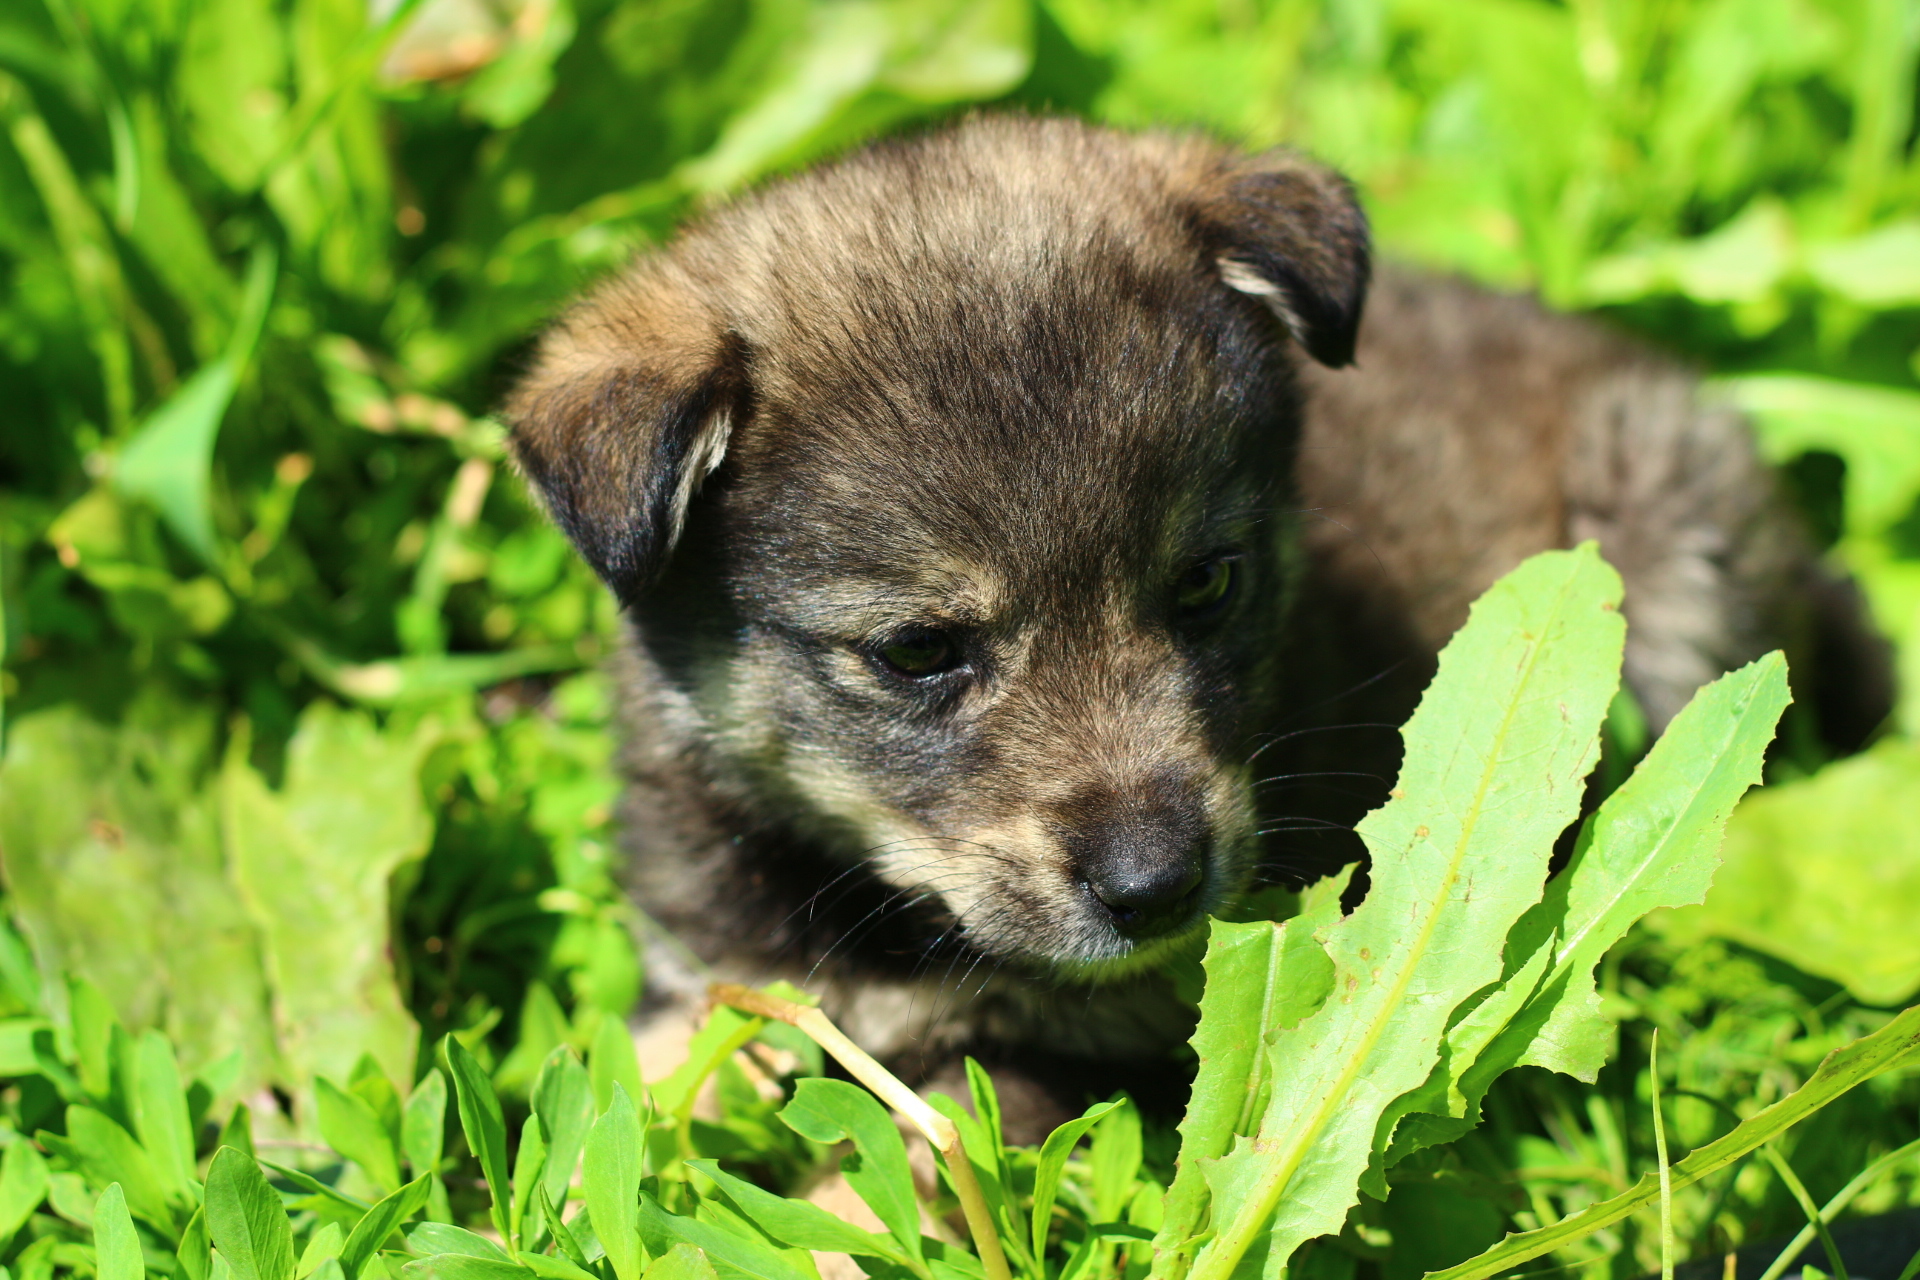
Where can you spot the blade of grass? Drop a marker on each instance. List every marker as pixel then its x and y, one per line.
pixel 1798 1190
pixel 1833 1208
pixel 1660 1151
pixel 1842 1069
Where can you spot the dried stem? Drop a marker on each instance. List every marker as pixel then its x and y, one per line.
pixel 936 1128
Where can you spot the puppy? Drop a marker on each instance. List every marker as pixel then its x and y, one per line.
pixel 1019 565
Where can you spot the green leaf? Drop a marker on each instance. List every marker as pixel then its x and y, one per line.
pixel 353 1205
pixel 682 1262
pixel 116 1245
pixel 1893 1045
pixel 614 1061
pixel 441 1237
pixel 484 1126
pixel 553 1268
pixel 423 1124
pixel 196 1250
pixel 108 1153
pixel 529 1164
pixel 1115 1161
pixel 726 1030
pixel 1824 872
pixel 611 1183
pixel 169 461
pixel 23 1185
pixel 830 1111
pixel 460 1266
pixel 351 1127
pixel 1495 759
pixel 563 1099
pixel 803 1225
pixel 1053 1162
pixel 381 1221
pixel 1243 1002
pixel 731 1255
pixel 245 1219
pixel 325 1244
pixel 160 1117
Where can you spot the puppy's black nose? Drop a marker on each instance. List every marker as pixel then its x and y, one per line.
pixel 1143 857
pixel 1148 882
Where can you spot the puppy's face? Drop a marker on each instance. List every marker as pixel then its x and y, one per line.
pixel 950 489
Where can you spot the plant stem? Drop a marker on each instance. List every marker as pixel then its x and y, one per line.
pixel 890 1089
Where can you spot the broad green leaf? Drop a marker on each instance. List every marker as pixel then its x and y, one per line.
pixel 460 1266
pixel 614 1061
pixel 563 1099
pixel 369 1083
pixel 169 461
pixel 553 1268
pixel 108 1153
pixel 803 1225
pixel 116 1245
pixel 1496 756
pixel 1053 1162
pixel 351 1127
pixel 324 1244
pixel 423 1124
pixel 93 1026
pixel 830 1111
pixel 1654 843
pixel 611 1183
pixel 439 1237
pixel 381 1221
pixel 1876 430
pixel 730 1254
pixel 23 1185
pixel 1893 1045
pixel 245 1220
pixel 160 1117
pixel 682 1262
pixel 484 1126
pixel 1824 872
pixel 315 872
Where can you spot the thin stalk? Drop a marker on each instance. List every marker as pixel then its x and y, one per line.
pixel 1833 1208
pixel 1815 1220
pixel 1660 1151
pixel 933 1126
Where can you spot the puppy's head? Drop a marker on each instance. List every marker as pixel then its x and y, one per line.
pixel 949 490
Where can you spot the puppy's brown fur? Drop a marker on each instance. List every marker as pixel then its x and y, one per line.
pixel 1018 395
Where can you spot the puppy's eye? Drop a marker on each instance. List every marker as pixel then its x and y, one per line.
pixel 1204 589
pixel 919 654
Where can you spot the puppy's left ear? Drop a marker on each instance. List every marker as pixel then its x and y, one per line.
pixel 1291 234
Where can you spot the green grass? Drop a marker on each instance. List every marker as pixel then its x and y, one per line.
pixel 271 597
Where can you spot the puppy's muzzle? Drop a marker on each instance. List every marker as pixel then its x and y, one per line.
pixel 1143 859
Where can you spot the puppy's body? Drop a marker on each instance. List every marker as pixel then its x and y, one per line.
pixel 992 538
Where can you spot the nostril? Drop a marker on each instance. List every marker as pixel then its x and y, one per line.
pixel 1151 898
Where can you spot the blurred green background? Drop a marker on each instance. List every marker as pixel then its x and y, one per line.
pixel 306 752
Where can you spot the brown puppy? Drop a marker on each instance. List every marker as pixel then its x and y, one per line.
pixel 995 515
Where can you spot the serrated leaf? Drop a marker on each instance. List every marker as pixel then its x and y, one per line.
pixel 830 1111
pixel 800 1224
pixel 245 1219
pixel 352 1127
pixel 1495 762
pixel 612 1183
pixel 485 1127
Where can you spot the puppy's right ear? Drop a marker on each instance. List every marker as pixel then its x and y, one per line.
pixel 626 410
